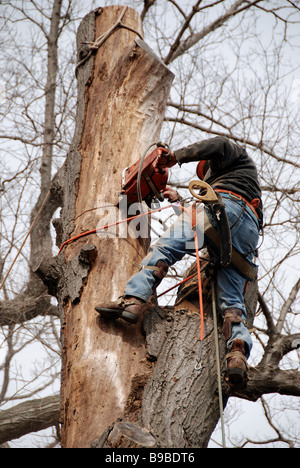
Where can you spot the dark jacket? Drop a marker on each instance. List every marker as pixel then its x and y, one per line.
pixel 229 167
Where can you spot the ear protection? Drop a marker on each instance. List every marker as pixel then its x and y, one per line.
pixel 201 169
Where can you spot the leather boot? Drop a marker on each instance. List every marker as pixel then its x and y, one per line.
pixel 232 316
pixel 127 308
pixel 237 367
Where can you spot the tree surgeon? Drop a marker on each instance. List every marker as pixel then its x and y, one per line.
pixel 229 170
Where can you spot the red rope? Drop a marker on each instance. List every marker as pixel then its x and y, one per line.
pixel 94 231
pixel 194 227
pixel 193 224
pixel 178 284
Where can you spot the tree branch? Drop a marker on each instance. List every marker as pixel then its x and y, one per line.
pixel 30 416
pixel 178 48
pixel 244 141
pixel 286 307
pixel 147 5
pixel 267 314
pixel 26 307
pixel 268 380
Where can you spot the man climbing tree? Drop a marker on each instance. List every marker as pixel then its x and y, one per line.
pixel 233 174
pixel 111 371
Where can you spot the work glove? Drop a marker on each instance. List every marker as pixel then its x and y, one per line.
pixel 165 159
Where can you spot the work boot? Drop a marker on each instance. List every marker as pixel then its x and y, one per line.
pixel 237 367
pixel 232 316
pixel 127 308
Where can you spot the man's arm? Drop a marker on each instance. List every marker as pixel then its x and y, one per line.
pixel 218 149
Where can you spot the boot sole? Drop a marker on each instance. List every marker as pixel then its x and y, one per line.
pixel 236 376
pixel 114 314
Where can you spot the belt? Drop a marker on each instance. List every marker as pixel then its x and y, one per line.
pixel 252 205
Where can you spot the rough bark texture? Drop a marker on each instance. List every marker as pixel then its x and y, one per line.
pixel 30 416
pixel 176 403
pixel 122 96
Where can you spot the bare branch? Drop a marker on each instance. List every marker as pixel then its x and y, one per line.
pixel 267 313
pixel 178 48
pixel 31 416
pixel 245 141
pixel 184 27
pixel 286 307
pixel 147 5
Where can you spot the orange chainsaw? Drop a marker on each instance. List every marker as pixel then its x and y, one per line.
pixel 147 178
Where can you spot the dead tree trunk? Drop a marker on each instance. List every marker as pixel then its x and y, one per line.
pixel 122 386
pixel 125 90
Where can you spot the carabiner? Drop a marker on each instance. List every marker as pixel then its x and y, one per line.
pixel 198 366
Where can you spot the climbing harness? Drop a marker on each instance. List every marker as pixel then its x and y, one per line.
pixel 217 210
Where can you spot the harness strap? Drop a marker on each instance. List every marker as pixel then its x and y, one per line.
pixel 236 318
pixel 251 205
pixel 247 270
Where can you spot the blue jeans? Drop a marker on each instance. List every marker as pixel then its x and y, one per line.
pixel 178 240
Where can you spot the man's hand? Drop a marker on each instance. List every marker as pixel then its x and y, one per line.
pixel 166 159
pixel 170 193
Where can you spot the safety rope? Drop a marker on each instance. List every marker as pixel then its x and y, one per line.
pixel 198 365
pixel 98 229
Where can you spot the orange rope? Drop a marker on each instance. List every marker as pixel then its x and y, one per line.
pixel 199 285
pixel 198 365
pixel 94 231
pixel 178 284
pixel 194 226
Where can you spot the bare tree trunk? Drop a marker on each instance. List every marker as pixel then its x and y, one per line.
pixel 41 242
pixel 122 102
pixel 122 386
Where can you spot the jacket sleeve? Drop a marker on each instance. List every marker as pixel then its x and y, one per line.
pixel 219 149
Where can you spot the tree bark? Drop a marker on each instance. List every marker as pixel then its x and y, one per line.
pixel 30 416
pixel 123 89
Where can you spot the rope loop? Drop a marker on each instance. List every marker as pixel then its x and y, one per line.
pixel 94 46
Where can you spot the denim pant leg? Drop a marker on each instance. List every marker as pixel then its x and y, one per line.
pixel 231 284
pixel 230 294
pixel 169 248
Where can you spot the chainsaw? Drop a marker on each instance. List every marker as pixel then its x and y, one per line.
pixel 147 178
